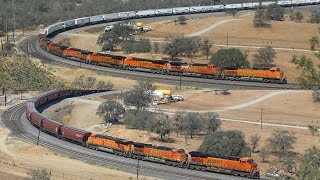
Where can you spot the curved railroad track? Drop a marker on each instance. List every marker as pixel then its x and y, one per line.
pixel 14 119
pixel 31 46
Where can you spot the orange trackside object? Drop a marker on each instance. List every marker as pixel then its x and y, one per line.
pixel 205 69
pixel 165 153
pixel 109 142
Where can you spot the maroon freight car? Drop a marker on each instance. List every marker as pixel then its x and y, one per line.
pixel 29 110
pixel 36 118
pixel 75 134
pixel 53 95
pixel 65 93
pixel 52 127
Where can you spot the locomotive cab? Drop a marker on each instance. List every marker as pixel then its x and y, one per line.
pixel 251 166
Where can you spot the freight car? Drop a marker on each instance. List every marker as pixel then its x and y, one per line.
pixel 161 154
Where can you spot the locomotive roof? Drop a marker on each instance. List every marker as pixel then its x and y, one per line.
pixel 104 136
pixel 202 154
pixel 113 56
pixel 199 64
pixel 177 63
pixel 123 141
pixel 137 144
pixel 149 60
pixel 81 50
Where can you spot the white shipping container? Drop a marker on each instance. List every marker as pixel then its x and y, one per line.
pixel 312 1
pixel 145 13
pixel 284 3
pixel 163 11
pixel 128 14
pixel 82 21
pixel 198 9
pixel 267 3
pixel 69 23
pixel 181 10
pixel 298 2
pixel 215 8
pixel 233 6
pixel 110 17
pixel 95 19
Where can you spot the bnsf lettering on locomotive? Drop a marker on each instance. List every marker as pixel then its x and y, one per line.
pixel 214 161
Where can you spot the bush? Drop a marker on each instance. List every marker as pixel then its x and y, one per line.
pixel 225 143
pixel 230 59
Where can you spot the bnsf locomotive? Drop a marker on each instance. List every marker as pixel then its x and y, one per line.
pixel 272 75
pixel 239 166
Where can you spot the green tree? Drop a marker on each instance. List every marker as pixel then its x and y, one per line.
pixel 261 19
pixel 230 59
pixel 275 12
pixel 225 143
pixel 193 123
pixel 138 119
pixel 316 95
pixel 287 166
pixel 156 48
pixel 281 142
pixel 110 111
pixel 264 57
pixel 39 174
pixel 182 20
pixel 297 16
pixel 314 42
pixel 206 48
pixel 102 85
pixel 264 153
pixel 310 77
pixel 309 164
pixel 110 39
pixel 24 74
pixel 161 124
pixel 212 121
pixel 178 122
pixel 313 129
pixel 315 16
pixel 254 142
pixel 83 82
pixel 140 96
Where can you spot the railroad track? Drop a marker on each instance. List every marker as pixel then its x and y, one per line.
pixel 31 47
pixel 14 119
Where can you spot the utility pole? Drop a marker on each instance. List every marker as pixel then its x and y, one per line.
pixel 14 20
pixel 7 28
pixel 261 117
pixel 227 40
pixel 180 79
pixel 138 168
pixel 38 136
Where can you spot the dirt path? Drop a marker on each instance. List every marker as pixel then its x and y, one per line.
pixel 215 25
pixel 256 101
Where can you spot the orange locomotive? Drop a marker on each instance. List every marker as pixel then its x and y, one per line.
pixel 232 165
pixel 170 156
pixel 106 60
pixel 273 75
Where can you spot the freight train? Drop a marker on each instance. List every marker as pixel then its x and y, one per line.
pixel 272 75
pixel 239 166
